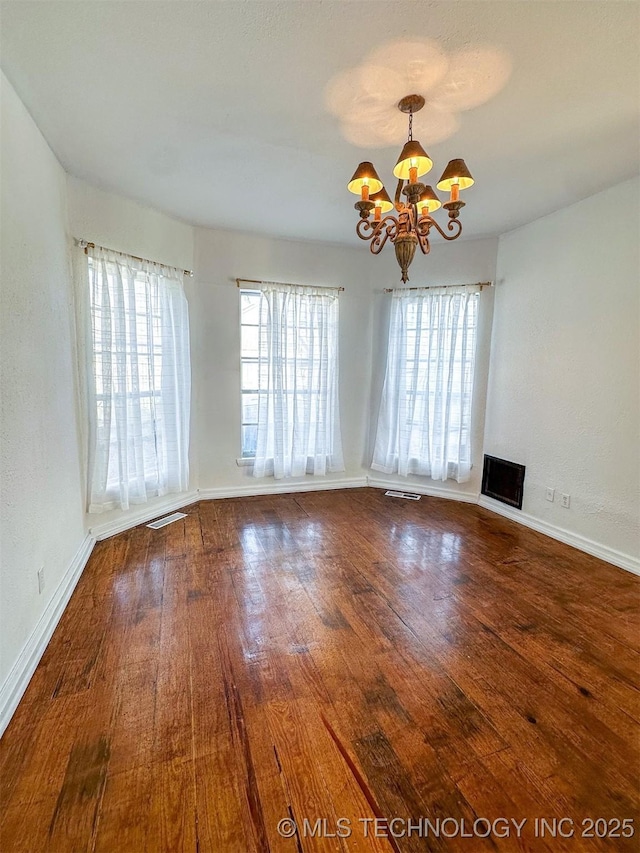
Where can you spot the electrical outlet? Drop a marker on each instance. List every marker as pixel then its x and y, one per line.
pixel 566 501
pixel 551 494
pixel 40 579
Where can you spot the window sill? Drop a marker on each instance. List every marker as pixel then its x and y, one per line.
pixel 245 461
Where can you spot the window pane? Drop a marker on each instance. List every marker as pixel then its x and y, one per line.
pixel 251 305
pixel 435 346
pixel 250 375
pixel 249 440
pixel 131 355
pixel 249 342
pixel 250 308
pixel 304 341
pixel 249 408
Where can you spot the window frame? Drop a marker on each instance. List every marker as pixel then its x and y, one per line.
pixel 245 457
pixel 429 329
pixel 151 392
pixel 137 370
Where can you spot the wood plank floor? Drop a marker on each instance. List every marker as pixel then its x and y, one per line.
pixel 339 656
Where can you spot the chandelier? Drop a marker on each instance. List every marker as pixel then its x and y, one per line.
pixel 413 223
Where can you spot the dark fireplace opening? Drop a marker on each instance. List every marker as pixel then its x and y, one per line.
pixel 503 480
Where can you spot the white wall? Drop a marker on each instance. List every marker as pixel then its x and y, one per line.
pixel 41 511
pixel 462 262
pixel 564 378
pixel 221 256
pixel 118 223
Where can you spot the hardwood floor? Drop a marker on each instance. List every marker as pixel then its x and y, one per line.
pixel 331 655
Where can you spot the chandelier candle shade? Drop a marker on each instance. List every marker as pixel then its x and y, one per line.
pixel 411 226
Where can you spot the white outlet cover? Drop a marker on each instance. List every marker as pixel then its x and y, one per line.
pixel 566 501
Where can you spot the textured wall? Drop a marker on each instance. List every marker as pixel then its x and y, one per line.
pixel 564 380
pixel 41 513
pixel 124 225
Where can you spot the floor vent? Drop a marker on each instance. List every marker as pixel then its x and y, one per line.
pixel 168 519
pixel 409 496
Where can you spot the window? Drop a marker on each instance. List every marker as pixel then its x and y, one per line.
pixel 289 353
pixel 250 301
pixel 424 425
pixel 140 381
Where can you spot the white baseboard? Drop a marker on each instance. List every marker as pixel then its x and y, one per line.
pixel 147 512
pixel 175 502
pixel 609 555
pixel 272 487
pixel 21 672
pixel 423 489
pixel 260 487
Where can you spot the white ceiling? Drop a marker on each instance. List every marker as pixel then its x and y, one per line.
pixel 226 113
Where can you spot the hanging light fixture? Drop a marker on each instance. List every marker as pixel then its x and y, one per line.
pixel 411 226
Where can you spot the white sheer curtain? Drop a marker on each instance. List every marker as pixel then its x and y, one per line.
pixel 424 425
pixel 139 381
pixel 298 411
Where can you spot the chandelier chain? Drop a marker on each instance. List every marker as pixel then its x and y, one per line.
pixel 410 125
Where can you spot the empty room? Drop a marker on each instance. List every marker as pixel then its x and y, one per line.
pixel 319 426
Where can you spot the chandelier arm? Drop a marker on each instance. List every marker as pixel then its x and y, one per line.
pixel 423 227
pixel 364 225
pixel 452 225
pixel 380 232
pixel 423 224
pixel 398 203
pixel 425 245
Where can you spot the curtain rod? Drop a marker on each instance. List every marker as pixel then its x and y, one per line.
pixel 479 284
pixel 288 284
pixel 85 245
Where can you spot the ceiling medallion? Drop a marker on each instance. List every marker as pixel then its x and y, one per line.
pixel 411 227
